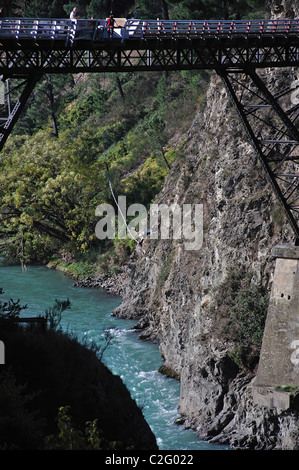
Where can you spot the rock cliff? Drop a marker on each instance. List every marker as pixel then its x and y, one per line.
pixel 174 293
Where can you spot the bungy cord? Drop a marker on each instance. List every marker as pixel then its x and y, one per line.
pixel 112 192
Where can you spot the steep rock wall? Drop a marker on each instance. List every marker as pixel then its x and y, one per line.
pixel 172 291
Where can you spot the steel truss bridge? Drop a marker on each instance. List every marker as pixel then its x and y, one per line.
pixel 236 50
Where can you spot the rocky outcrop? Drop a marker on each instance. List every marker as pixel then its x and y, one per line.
pixel 171 291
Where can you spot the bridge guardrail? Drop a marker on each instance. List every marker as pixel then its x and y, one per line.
pixel 32 28
pixel 39 29
pixel 158 29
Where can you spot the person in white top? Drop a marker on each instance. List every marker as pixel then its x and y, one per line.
pixel 73 14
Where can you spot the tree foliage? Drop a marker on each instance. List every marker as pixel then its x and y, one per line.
pixel 49 97
pixel 53 168
pixel 178 9
pixel 241 314
pixel 45 198
pixel 216 9
pixel 10 309
pixel 50 186
pixel 70 438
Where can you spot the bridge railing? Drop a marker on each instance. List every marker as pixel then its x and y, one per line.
pixel 71 30
pixel 55 29
pixel 33 28
pixel 155 29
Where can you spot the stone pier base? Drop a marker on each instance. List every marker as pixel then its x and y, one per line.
pixel 277 379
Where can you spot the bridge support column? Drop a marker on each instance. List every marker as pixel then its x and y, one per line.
pixel 29 83
pixel 277 381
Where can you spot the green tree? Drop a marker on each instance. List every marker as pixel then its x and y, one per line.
pixel 45 9
pixel 241 314
pixel 158 137
pixel 151 9
pixel 248 314
pixel 48 98
pixel 216 9
pixel 100 9
pixel 46 197
pixel 20 427
pixel 10 309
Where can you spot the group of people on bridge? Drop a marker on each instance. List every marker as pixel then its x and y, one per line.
pixel 110 23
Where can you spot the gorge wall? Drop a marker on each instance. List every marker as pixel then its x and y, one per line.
pixel 173 292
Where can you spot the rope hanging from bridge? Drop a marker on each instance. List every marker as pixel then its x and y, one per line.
pixel 112 192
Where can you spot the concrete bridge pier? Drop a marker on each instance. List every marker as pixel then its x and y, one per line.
pixel 277 381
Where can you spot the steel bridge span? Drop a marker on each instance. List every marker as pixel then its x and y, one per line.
pixel 236 50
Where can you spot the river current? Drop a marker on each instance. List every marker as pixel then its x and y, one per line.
pixel 135 361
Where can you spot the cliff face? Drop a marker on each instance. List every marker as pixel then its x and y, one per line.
pixel 172 291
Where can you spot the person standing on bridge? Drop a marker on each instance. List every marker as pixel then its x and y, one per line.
pixel 74 14
pixel 110 25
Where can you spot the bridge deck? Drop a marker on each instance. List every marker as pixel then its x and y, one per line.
pixel 32 45
pixel 27 31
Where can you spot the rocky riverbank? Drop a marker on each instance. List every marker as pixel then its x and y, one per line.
pixel 113 284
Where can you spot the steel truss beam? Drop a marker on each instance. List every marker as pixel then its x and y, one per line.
pixel 12 111
pixel 156 55
pixel 270 123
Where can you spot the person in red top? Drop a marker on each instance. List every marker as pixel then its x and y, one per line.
pixel 110 25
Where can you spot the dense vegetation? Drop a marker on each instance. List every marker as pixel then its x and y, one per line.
pixel 240 312
pixel 50 186
pixel 179 9
pixel 52 170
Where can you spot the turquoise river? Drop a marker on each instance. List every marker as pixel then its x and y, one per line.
pixel 135 361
